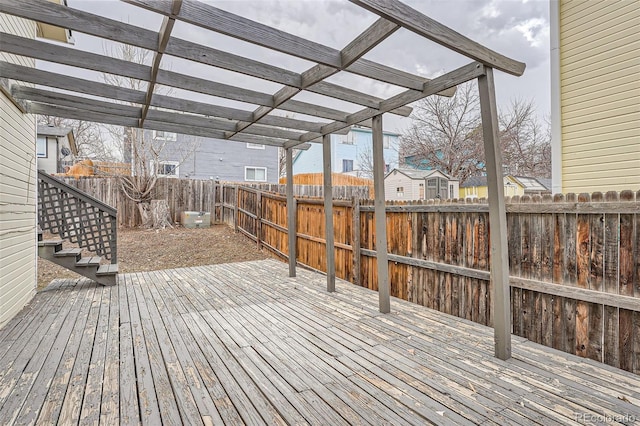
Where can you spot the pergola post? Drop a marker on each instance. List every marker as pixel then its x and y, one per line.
pixel 328 213
pixel 291 214
pixel 497 218
pixel 380 215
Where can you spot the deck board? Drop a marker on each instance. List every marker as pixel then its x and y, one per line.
pixel 243 343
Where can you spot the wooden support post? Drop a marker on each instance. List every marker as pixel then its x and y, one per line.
pixel 291 215
pixel 235 207
pixel 355 239
pixel 381 216
pixel 497 218
pixel 328 213
pixel 258 217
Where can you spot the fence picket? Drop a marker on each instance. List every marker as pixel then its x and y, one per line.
pixel 588 242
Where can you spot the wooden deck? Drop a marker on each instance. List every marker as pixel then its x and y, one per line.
pixel 244 344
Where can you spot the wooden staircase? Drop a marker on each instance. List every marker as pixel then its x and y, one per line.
pixel 77 217
pixel 72 259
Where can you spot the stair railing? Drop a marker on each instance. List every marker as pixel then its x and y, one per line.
pixel 77 216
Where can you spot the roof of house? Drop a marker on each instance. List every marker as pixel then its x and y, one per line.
pixel 474 181
pixel 419 174
pixel 531 183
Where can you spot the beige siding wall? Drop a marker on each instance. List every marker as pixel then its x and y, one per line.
pixel 395 181
pixel 600 95
pixel 17 192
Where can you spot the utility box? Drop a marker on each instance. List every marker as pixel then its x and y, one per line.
pixel 196 219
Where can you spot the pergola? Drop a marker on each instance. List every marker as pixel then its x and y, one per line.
pixel 149 110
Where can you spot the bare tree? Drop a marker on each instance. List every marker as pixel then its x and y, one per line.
pixel 446 134
pixel 525 143
pixel 365 163
pixel 144 152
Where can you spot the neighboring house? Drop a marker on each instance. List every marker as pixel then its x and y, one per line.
pixel 18 183
pixel 55 148
pixel 595 95
pixel 350 153
pixel 476 187
pixel 197 157
pixel 411 184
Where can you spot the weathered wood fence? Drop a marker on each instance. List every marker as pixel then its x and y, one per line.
pixel 574 260
pixel 192 195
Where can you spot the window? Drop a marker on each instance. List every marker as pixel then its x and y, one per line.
pixel 255 174
pixel 41 147
pixel 400 191
pixel 386 141
pixel 348 139
pixel 167 136
pixel 347 166
pixel 167 168
pixel 255 145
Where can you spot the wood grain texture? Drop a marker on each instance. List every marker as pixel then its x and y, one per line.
pixel 431 29
pixel 245 344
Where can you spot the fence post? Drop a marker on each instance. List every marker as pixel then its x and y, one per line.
pixel 258 217
pixel 355 239
pixel 235 208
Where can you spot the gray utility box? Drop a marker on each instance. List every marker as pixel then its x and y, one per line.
pixel 196 219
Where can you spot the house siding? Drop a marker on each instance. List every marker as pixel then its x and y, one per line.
pixel 17 192
pixel 208 158
pixel 310 161
pixel 393 182
pixel 600 95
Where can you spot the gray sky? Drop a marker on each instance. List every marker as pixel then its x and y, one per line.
pixel 516 28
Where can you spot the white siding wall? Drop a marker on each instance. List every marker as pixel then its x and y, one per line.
pixel 17 192
pixel 393 182
pixel 600 95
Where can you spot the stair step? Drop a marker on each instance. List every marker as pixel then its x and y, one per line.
pixel 111 269
pixel 68 252
pixel 49 243
pixel 89 261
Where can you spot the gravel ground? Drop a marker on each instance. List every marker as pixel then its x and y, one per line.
pixel 149 250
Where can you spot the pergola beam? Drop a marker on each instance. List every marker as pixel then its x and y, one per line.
pixel 30 75
pixel 367 40
pixel 438 84
pixel 127 112
pixel 413 20
pixel 73 57
pixel 214 19
pixel 118 120
pixel 163 39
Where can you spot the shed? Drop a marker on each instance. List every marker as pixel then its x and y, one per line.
pixel 412 184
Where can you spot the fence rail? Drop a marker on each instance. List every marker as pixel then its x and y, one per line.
pixel 574 260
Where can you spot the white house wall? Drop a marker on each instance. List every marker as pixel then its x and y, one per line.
pixel 17 192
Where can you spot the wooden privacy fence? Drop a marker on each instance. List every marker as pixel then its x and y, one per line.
pixel 218 198
pixel 574 260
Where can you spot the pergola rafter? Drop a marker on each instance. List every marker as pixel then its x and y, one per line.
pixel 127 107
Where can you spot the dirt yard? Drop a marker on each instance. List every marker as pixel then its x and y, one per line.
pixel 149 250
